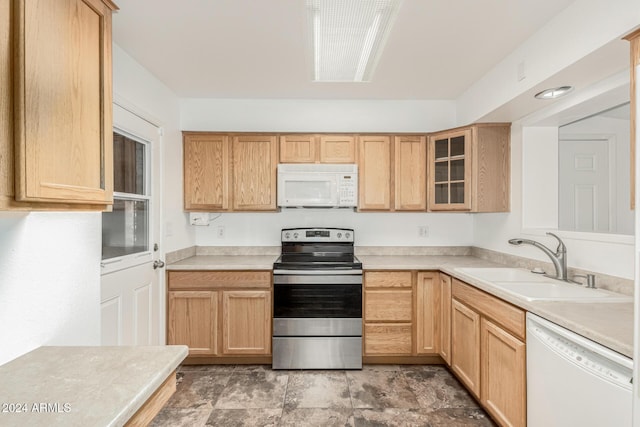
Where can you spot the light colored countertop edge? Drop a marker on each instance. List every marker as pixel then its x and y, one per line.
pixel 566 314
pixel 78 375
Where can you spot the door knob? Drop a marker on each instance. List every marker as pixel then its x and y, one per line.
pixel 158 264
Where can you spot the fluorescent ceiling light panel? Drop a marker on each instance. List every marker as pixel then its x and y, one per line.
pixel 348 37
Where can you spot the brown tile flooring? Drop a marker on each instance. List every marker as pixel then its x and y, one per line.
pixel 379 395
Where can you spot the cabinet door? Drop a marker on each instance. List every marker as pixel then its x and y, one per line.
pixel 465 343
pixel 503 391
pixel 410 173
pixel 428 313
pixel 449 186
pixel 391 305
pixel 445 318
pixel 387 339
pixel 337 149
pixel 193 321
pixel 206 172
pixel 246 322
pixel 255 160
pixel 375 180
pixel 298 149
pixel 63 104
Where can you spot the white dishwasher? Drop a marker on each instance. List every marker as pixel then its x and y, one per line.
pixel 573 381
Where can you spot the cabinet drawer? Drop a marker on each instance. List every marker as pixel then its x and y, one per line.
pixel 387 339
pixel 219 279
pixel 388 305
pixel 510 317
pixel 387 279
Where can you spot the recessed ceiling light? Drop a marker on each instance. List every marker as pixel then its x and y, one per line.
pixel 554 93
pixel 348 37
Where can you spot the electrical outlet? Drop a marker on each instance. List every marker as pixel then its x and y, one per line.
pixel 220 231
pixel 423 231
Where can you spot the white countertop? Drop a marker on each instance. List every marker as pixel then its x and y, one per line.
pixel 609 324
pixel 83 386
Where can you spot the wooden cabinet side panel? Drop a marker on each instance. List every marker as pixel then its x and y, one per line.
pixel 387 339
pixel 410 173
pixel 337 149
pixel 510 317
pixel 193 321
pixel 255 161
pixel 63 102
pixel 206 172
pixel 492 172
pixel 388 305
pixel 465 346
pixel 375 179
pixel 298 148
pixel 387 279
pixel 428 299
pixel 503 390
pixel 445 320
pixel 246 322
pixel 6 105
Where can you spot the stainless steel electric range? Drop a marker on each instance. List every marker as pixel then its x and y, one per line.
pixel 317 301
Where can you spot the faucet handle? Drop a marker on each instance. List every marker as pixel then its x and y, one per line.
pixel 561 247
pixel 591 279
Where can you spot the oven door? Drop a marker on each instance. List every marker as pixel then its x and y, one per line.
pixel 317 296
pixel 318 189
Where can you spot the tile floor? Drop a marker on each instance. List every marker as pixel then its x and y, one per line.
pixel 379 395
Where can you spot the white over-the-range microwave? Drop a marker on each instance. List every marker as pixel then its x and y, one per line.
pixel 317 185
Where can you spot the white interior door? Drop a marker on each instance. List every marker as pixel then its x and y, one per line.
pixel 584 192
pixel 132 281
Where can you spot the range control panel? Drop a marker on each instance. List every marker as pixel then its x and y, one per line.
pixel 317 235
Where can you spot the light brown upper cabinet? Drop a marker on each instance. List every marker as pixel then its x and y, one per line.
pixel 469 169
pixel 255 161
pixel 375 179
pixel 56 126
pixel 206 172
pixel 410 173
pixel 392 173
pixel 297 148
pixel 229 172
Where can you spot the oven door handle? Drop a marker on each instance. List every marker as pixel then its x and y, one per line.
pixel 333 272
pixel 317 280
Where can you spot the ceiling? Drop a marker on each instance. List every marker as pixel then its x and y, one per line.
pixel 258 49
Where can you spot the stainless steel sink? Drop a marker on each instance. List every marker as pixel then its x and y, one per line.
pixel 535 287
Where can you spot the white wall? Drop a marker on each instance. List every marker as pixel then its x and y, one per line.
pixel 371 229
pixel 579 30
pixel 306 115
pixel 49 281
pixel 140 90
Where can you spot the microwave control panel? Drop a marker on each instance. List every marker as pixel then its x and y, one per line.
pixel 348 190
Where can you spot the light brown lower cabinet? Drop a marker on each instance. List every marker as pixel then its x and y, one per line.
pixel 428 306
pixel 445 318
pixel 488 352
pixel 465 343
pixel 193 321
pixel 388 313
pixel 503 382
pixel 220 313
pixel 244 330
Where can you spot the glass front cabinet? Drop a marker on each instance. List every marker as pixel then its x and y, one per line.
pixel 450 171
pixel 469 169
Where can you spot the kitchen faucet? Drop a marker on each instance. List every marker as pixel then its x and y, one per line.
pixel 559 258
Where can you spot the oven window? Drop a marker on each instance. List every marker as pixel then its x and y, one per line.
pixel 317 301
pixel 310 191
